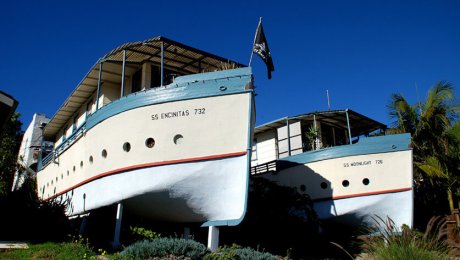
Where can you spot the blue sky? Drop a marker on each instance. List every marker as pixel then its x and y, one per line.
pixel 361 51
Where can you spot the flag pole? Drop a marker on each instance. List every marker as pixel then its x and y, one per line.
pixel 254 42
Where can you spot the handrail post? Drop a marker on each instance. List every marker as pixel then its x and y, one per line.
pixel 123 75
pixel 288 136
pixel 99 85
pixel 162 62
pixel 348 126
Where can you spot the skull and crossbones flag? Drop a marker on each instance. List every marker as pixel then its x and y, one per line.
pixel 260 47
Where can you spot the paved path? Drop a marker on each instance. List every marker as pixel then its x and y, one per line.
pixel 13 244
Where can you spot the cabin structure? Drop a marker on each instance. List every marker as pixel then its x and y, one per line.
pixel 129 69
pixel 308 132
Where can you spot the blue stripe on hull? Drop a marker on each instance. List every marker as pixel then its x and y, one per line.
pixel 369 145
pixel 187 87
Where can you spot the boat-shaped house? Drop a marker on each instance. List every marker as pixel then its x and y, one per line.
pixel 353 173
pixel 159 127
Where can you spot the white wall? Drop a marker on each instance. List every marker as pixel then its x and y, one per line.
pixel 266 148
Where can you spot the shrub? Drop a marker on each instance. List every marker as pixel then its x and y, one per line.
pixel 49 222
pixel 161 247
pixel 140 233
pixel 237 252
pixel 407 244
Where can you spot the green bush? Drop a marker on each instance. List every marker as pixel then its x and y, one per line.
pixel 239 253
pixel 161 247
pixel 140 233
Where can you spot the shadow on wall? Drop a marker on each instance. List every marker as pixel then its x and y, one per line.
pixel 320 189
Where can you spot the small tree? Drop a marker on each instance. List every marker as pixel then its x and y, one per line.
pixel 10 141
pixel 434 140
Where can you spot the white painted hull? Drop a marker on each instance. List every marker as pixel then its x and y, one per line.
pixel 355 189
pixel 366 210
pixel 188 192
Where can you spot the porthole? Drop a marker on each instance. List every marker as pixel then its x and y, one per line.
pixel 54 190
pixel 74 168
pixel 91 159
pixel 81 164
pixel 62 176
pixel 47 184
pixel 126 147
pixel 345 183
pixel 150 142
pixel 323 185
pixel 57 179
pixel 302 187
pixel 51 182
pixel 104 153
pixel 178 139
pixel 366 181
pixel 68 173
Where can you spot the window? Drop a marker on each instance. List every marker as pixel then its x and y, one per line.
pixel 155 80
pixel 254 150
pixel 74 124
pixel 89 107
pixel 150 142
pixel 126 147
pixel 64 131
pixel 178 139
pixel 137 81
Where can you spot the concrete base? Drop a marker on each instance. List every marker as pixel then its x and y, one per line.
pixel 13 245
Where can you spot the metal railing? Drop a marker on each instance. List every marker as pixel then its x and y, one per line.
pixel 63 146
pixel 264 168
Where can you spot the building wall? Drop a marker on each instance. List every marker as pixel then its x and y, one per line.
pixel 266 149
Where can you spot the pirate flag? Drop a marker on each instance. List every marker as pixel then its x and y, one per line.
pixel 261 48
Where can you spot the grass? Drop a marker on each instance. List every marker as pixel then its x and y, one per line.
pixel 50 250
pixel 161 248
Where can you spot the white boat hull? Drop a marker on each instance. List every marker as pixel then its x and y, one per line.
pixel 354 188
pixel 369 210
pixel 187 192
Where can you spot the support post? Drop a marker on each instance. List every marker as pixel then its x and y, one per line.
pixel 83 225
pixel 315 127
pixel 288 136
pixel 123 74
pixel 213 238
pixel 348 126
pixel 99 86
pixel 116 237
pixel 186 233
pixel 162 63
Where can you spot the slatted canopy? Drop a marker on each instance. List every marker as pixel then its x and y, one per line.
pixel 177 57
pixel 359 124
